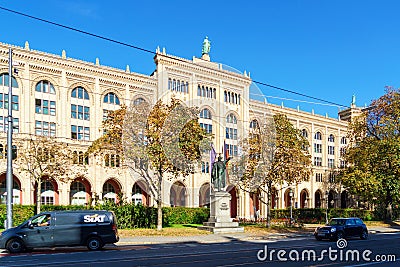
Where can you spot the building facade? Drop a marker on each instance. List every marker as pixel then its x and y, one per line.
pixel 67 98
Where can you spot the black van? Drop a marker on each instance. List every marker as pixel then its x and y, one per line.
pixel 91 228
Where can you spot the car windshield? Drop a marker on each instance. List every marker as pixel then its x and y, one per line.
pixel 337 222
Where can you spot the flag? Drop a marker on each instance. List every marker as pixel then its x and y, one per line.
pixel 213 156
pixel 225 151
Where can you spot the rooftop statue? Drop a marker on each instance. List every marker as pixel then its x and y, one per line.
pixel 206 46
pixel 353 100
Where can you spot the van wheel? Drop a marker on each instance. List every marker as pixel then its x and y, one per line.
pixel 15 245
pixel 94 243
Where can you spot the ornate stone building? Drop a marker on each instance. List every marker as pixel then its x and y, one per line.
pixel 68 98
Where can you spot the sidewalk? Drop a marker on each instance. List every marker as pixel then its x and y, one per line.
pixel 220 238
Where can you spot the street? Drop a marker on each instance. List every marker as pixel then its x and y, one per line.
pixel 296 251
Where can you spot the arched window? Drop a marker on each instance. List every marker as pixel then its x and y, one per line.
pixel 318 136
pixel 109 192
pixel 304 133
pixel 80 92
pixel 138 101
pixel 4 80
pixel 79 111
pixel 45 87
pixel 111 98
pixel 231 119
pixel 343 141
pixel 205 114
pixel 254 124
pixel 78 193
pixel 47 194
pixel 331 138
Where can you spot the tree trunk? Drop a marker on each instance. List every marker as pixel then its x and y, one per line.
pixel 159 203
pixel 269 204
pixel 38 193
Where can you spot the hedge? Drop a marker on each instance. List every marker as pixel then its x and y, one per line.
pixel 128 215
pixel 319 215
pixel 138 216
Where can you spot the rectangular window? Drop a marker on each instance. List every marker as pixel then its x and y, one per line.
pixel 73 111
pixel 317 161
pixel 2 124
pixel 45 128
pixel 38 106
pixel 45 107
pixel 331 163
pixel 15 125
pixel 14 102
pixel 53 108
pixel 15 105
pixel 105 114
pixel 74 132
pixel 80 112
pixel 38 127
pixel 86 113
pixel 331 150
pixel 342 164
pixel 87 134
pixel 317 148
pixel 52 129
pixel 318 177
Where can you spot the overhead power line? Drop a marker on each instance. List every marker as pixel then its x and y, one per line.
pixel 152 52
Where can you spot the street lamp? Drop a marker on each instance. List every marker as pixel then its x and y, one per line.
pixel 326 212
pixel 291 197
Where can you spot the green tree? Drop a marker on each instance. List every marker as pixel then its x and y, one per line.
pixel 373 153
pixel 44 158
pixel 275 152
pixel 159 142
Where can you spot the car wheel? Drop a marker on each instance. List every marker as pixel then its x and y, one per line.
pixel 15 245
pixel 94 243
pixel 364 235
pixel 339 235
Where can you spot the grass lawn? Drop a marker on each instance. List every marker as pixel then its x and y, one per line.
pixel 173 230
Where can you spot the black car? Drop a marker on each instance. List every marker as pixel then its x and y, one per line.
pixel 93 228
pixel 339 228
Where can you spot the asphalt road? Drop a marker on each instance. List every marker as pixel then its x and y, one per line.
pixel 296 251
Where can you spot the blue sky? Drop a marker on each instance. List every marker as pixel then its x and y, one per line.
pixel 326 49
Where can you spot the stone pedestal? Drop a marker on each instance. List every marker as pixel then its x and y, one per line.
pixel 220 220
